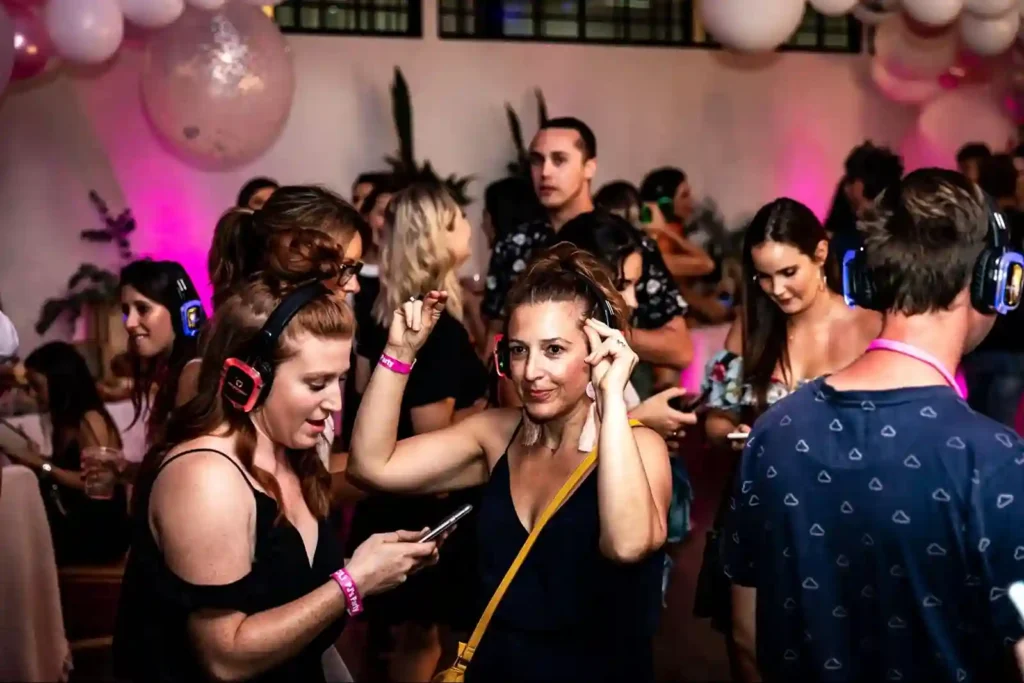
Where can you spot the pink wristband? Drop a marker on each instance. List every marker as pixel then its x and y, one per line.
pixel 354 601
pixel 395 365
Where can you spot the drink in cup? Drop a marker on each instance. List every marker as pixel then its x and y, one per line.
pixel 100 468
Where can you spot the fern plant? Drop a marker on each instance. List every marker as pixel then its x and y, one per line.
pixel 521 166
pixel 404 165
pixel 92 286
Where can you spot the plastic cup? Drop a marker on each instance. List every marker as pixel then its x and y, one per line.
pixel 100 468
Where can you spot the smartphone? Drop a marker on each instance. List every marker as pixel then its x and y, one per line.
pixel 737 436
pixel 1017 598
pixel 448 522
pixel 689 403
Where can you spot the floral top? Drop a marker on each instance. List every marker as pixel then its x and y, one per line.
pixel 723 379
pixel 657 295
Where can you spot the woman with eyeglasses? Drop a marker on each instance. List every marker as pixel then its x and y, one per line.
pixel 240 249
pixel 426 238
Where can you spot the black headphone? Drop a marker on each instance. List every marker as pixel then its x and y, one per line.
pixel 997 269
pixel 245 383
pixel 502 352
pixel 190 316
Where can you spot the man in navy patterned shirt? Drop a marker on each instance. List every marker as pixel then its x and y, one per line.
pixel 877 522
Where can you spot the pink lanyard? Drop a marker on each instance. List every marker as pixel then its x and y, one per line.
pixel 917 354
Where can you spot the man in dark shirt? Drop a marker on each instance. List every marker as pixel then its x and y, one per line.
pixel 995 370
pixel 563 159
pixel 866 172
pixel 876 521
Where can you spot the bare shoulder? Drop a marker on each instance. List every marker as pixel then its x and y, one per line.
pixel 649 441
pixel 494 428
pixel 200 478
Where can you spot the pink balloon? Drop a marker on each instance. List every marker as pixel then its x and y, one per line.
pixel 32 46
pixel 902 90
pixel 218 87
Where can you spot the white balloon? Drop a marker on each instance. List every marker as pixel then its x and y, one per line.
pixel 989 36
pixel 736 25
pixel 834 8
pixel 261 3
pixel 207 4
pixel 933 12
pixel 85 31
pixel 152 13
pixel 989 8
pixel 909 56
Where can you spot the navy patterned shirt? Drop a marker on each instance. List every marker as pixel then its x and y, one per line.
pixel 657 295
pixel 881 530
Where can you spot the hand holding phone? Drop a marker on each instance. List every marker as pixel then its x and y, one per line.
pixel 689 403
pixel 737 436
pixel 447 523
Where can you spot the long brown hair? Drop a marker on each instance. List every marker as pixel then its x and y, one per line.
pixel 567 273
pixel 295 257
pixel 240 239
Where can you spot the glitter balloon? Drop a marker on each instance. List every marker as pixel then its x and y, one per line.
pixel 218 87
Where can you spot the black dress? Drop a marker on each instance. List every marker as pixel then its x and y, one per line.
pixel 570 614
pixel 446 367
pixel 151 642
pixel 84 530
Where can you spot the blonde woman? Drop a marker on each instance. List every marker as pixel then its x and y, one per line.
pixel 425 239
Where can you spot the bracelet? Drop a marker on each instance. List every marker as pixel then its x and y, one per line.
pixel 353 601
pixel 395 365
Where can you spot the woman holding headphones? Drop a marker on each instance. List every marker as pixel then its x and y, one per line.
pixel 235 573
pixel 584 602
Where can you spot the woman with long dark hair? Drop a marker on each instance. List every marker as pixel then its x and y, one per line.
pixel 163 317
pixel 85 530
pixel 793 328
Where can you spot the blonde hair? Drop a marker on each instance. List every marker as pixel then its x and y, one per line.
pixel 415 257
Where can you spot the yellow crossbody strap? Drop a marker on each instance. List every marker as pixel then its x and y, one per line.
pixel 466 650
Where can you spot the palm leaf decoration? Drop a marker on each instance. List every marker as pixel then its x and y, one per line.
pixel 521 166
pixel 404 165
pixel 91 285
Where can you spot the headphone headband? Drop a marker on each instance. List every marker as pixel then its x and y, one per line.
pixel 266 340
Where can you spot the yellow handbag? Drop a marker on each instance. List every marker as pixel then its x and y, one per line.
pixel 456 673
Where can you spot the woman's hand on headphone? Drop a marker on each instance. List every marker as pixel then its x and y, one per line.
pixel 412 323
pixel 611 359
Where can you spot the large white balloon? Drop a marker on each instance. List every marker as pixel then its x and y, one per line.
pixel 152 13
pixel 207 4
pixel 218 86
pixel 911 56
pixel 736 25
pixel 834 8
pixel 989 8
pixel 933 12
pixel 989 36
pixel 261 3
pixel 85 31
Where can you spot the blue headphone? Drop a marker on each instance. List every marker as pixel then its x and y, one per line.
pixel 995 283
pixel 190 314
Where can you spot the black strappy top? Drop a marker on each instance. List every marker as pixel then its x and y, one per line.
pixel 151 641
pixel 570 614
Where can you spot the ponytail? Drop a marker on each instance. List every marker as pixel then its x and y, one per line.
pixel 234 253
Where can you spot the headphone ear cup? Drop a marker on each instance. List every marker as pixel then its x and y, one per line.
pixel 982 296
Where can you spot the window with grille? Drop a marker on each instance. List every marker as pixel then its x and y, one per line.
pixel 395 18
pixel 618 22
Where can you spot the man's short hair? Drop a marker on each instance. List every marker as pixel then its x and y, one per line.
pixel 922 239
pixel 372 177
pixel 973 151
pixel 997 175
pixel 876 167
pixel 587 142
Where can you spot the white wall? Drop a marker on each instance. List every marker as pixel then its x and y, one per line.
pixel 745 130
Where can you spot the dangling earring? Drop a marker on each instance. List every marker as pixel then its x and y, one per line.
pixel 591 393
pixel 824 281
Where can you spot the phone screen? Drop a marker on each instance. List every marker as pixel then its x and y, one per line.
pixel 447 523
pixel 689 403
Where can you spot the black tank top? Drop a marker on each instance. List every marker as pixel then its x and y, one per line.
pixel 570 613
pixel 151 642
